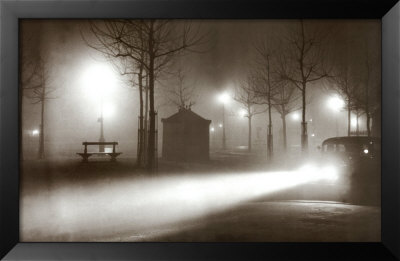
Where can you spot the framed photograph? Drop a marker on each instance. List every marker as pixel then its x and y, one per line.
pixel 224 130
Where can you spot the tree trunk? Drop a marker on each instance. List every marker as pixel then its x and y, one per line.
pixel 283 116
pixel 348 119
pixel 41 134
pixel 304 137
pixel 146 121
pixel 151 142
pixel 140 151
pixel 223 128
pixel 368 125
pixel 357 126
pixel 269 133
pixel 367 98
pixel 249 137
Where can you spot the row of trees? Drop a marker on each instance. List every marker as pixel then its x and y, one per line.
pixel 283 69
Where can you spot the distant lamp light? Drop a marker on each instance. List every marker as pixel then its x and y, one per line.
pixel 366 151
pixel 35 132
pixel 353 122
pixel 313 135
pixel 220 125
pixel 212 129
pixel 336 103
pixel 108 110
pixel 296 116
pixel 224 98
pixel 242 113
pixel 310 120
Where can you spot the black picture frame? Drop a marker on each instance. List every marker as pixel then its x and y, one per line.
pixel 12 11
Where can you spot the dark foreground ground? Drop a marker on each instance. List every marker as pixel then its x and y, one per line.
pixel 219 201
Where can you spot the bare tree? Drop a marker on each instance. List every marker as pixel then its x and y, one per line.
pixel 285 101
pixel 345 84
pixel 304 64
pixel 366 100
pixel 136 77
pixel 267 83
pixel 248 99
pixel 36 87
pixel 158 40
pixel 182 94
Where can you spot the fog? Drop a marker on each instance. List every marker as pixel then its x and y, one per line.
pixel 71 117
pixel 73 91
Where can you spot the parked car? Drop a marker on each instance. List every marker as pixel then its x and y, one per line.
pixel 358 159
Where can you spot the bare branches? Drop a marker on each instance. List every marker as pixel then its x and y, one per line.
pixel 302 60
pixel 36 86
pixel 247 98
pixel 181 94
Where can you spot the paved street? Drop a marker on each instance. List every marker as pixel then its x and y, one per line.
pixel 282 221
pixel 110 202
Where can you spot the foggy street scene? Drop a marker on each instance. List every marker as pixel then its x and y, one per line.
pixel 200 130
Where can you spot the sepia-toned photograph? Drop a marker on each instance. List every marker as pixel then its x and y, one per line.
pixel 200 130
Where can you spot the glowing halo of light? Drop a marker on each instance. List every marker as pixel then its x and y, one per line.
pixel 295 116
pixel 224 98
pixel 108 110
pixel 335 103
pixel 242 113
pixel 99 81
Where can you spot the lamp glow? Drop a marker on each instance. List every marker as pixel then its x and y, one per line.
pixel 296 116
pixel 99 81
pixel 242 113
pixel 335 103
pixel 224 98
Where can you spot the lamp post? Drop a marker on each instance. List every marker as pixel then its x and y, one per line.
pixel 101 120
pixel 100 80
pixel 335 103
pixel 223 98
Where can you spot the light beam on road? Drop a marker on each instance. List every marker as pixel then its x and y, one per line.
pixel 144 206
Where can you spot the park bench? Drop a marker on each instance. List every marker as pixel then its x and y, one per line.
pixel 85 155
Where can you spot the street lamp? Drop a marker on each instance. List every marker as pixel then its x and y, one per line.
pixel 99 80
pixel 336 104
pixel 224 99
pixel 242 113
pixel 295 116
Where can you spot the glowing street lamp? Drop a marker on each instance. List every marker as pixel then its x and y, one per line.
pixel 242 113
pixel 99 80
pixel 35 132
pixel 336 104
pixel 224 99
pixel 295 116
